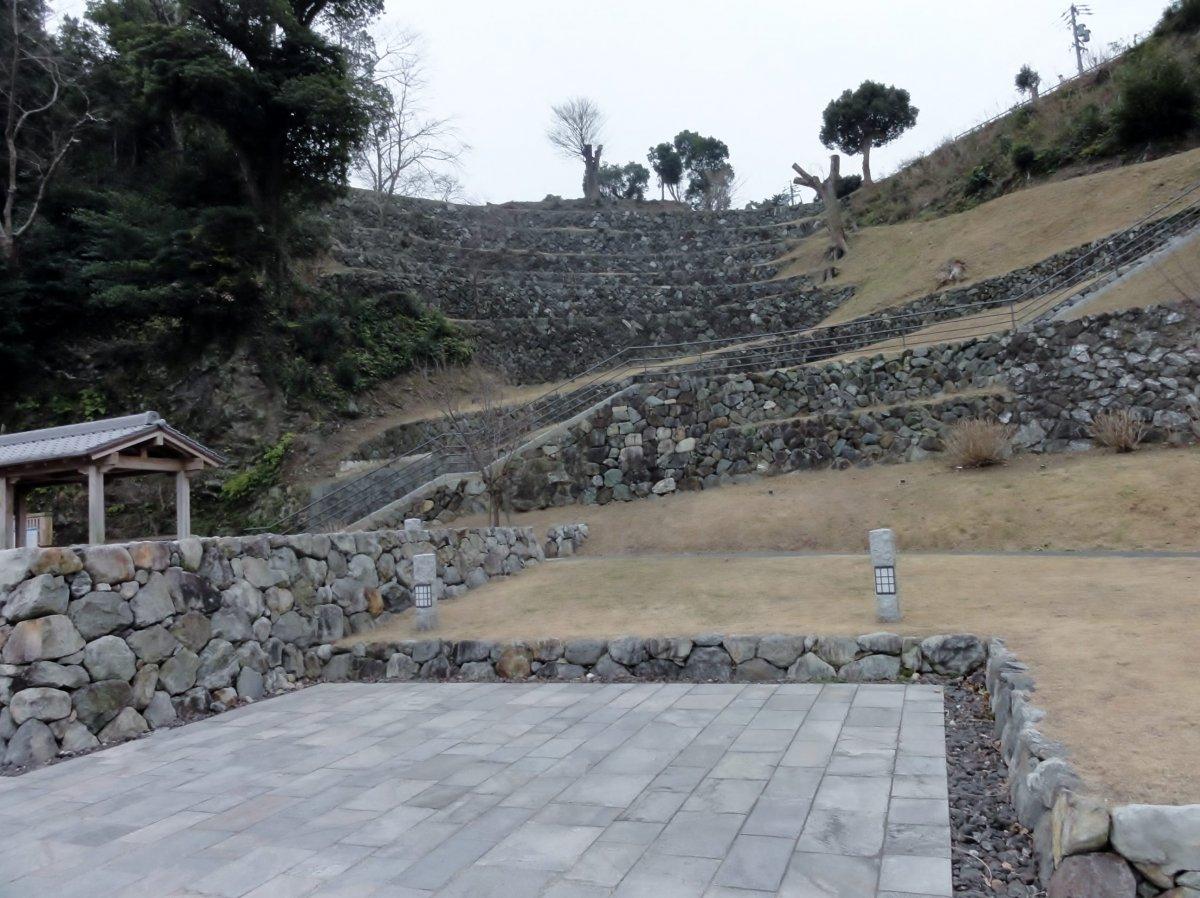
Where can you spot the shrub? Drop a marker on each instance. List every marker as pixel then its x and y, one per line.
pixel 978 181
pixel 1118 429
pixel 847 185
pixel 1024 158
pixel 978 443
pixel 1156 100
pixel 1181 17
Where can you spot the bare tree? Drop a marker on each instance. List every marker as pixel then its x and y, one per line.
pixel 826 191
pixel 407 152
pixel 719 189
pixel 483 426
pixel 575 133
pixel 39 128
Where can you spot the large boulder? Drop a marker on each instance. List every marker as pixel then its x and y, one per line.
pixel 39 703
pixel 809 668
pixel 1164 836
pixel 152 645
pixel 836 651
pixel 37 597
pixel 153 602
pixel 126 725
pixel 232 624
pixel 192 592
pixel 401 667
pixel 218 665
pixel 150 556
pixel 872 669
pixel 782 651
pixel 160 712
pixel 740 648
pixel 627 650
pixel 757 670
pixel 32 743
pixel 59 676
pixel 109 658
pixel 1093 876
pixel 178 673
pixel 108 564
pixel 514 662
pixel 193 630
pixel 99 613
pixel 954 655
pixel 42 639
pixel 708 663
pixel 584 652
pixel 98 703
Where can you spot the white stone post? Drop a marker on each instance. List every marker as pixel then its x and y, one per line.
pixel 425 590
pixel 887 590
pixel 413 525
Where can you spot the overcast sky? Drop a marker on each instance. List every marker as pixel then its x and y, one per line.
pixel 756 74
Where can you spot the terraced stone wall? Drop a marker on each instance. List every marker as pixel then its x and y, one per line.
pixel 101 643
pixel 697 433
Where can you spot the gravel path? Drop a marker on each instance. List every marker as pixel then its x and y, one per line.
pixel 992 853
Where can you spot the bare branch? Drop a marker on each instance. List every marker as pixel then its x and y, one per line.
pixel 576 127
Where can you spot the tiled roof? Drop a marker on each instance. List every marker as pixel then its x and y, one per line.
pixel 74 440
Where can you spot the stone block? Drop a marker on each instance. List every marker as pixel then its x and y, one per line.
pixel 153 601
pixel 953 655
pixel 810 668
pixel 109 658
pixel 42 639
pixel 98 703
pixel 126 725
pixel 584 652
pixel 779 650
pixel 37 597
pixel 108 564
pixel 1167 836
pixel 1079 824
pixel 39 703
pixel 193 630
pixel 1093 876
pixel 740 648
pixel 708 663
pixel 836 651
pixel 32 744
pixel 178 673
pixel 871 669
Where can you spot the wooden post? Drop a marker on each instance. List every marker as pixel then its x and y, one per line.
pixel 6 514
pixel 95 481
pixel 183 505
pixel 20 503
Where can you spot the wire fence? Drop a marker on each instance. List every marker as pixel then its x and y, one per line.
pixel 441 454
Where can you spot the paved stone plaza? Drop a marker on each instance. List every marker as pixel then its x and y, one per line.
pixel 480 790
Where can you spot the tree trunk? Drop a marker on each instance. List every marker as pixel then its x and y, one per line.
pixel 591 171
pixel 1033 92
pixel 827 191
pixel 866 154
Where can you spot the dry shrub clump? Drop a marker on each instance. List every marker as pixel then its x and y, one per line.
pixel 1118 429
pixel 978 443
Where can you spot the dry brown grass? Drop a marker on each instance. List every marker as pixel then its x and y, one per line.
pixel 1090 500
pixel 892 264
pixel 978 443
pixel 1119 429
pixel 1110 634
pixel 1172 276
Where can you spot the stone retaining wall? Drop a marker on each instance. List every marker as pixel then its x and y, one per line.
pixel 101 643
pixel 702 432
pixel 876 657
pixel 1085 846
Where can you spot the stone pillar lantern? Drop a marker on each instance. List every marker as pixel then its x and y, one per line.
pixel 887 591
pixel 425 590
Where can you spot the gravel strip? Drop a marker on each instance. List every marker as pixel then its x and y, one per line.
pixel 992 853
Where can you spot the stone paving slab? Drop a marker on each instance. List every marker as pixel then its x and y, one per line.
pixel 557 790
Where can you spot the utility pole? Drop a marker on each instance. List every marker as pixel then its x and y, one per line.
pixel 1080 33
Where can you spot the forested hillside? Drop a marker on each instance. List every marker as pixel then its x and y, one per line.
pixel 164 171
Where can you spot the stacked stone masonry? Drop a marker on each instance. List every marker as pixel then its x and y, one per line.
pixel 1085 845
pixel 548 289
pixel 700 432
pixel 101 643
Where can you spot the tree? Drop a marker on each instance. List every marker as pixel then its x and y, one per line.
pixel 406 152
pixel 624 182
pixel 826 190
pixel 668 166
pixel 706 161
pixel 1028 81
pixel 44 109
pixel 870 116
pixel 276 88
pixel 483 426
pixel 575 133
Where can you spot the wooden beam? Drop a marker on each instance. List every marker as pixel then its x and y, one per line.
pixel 95 478
pixel 118 461
pixel 6 514
pixel 21 497
pixel 183 506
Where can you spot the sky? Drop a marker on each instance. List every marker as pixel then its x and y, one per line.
pixel 756 74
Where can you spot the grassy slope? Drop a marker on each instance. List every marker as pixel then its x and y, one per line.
pixel 1094 500
pixel 891 264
